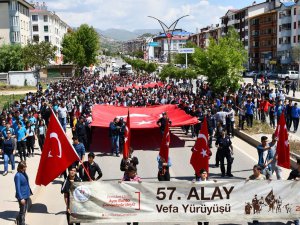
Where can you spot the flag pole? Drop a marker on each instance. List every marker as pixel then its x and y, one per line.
pixel 72 147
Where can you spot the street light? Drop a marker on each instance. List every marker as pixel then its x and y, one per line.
pixel 37 76
pixel 168 31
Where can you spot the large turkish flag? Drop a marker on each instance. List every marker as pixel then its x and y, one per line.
pixel 57 155
pixel 140 117
pixel 283 146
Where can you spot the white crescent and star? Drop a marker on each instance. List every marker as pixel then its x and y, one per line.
pixel 55 136
pixel 203 153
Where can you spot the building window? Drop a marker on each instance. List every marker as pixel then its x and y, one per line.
pixel 294 39
pixel 13 5
pixel 15 21
pixel 46 38
pixel 46 29
pixel 280 41
pixel 35 17
pixel 35 28
pixel 45 18
pixel 36 38
pixel 295 11
pixel 295 25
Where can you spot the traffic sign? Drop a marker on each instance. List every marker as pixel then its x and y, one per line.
pixel 154 44
pixel 186 50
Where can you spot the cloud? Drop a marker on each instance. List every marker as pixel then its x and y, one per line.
pixel 132 14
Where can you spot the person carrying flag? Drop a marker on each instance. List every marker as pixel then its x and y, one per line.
pixel 162 122
pixel 163 168
pixel 92 168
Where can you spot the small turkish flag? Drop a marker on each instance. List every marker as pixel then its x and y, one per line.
pixel 283 146
pixel 201 151
pixel 165 143
pixel 57 155
pixel 127 135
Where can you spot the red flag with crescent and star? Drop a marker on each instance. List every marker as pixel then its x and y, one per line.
pixel 283 146
pixel 57 155
pixel 127 135
pixel 165 143
pixel 201 152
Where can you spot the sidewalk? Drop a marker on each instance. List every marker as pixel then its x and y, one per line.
pixel 9 206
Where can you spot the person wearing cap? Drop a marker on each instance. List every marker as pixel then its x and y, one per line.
pixel 65 189
pixel 79 148
pixel 225 150
pixel 163 121
pixel 91 168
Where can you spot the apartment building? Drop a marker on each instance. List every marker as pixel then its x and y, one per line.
pixel 238 19
pixel 263 41
pixel 201 39
pixel 288 33
pixel 14 22
pixel 47 26
pixel 179 39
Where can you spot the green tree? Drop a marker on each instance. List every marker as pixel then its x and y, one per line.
pixel 81 46
pixel 151 67
pixel 11 58
pixel 38 54
pixel 223 62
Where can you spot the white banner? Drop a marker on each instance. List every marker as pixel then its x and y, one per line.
pixel 226 201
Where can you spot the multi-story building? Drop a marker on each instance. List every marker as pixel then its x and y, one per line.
pixel 14 22
pixel 263 41
pixel 179 39
pixel 288 33
pixel 201 39
pixel 47 26
pixel 238 19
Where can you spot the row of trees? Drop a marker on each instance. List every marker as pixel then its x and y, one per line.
pixel 16 57
pixel 221 62
pixel 140 65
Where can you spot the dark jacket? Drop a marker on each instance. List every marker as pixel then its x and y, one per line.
pixel 91 169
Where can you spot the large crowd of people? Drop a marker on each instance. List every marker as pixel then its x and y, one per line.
pixel 26 121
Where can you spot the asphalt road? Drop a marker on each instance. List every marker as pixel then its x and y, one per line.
pixel 49 206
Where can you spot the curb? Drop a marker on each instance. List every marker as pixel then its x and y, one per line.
pixel 250 140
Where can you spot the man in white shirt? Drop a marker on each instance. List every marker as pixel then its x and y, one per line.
pixel 62 115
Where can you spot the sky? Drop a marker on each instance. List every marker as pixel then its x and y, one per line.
pixel 132 14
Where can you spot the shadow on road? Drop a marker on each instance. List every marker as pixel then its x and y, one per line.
pixel 39 208
pixel 8 215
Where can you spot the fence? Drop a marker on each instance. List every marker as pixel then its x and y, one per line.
pixel 4 78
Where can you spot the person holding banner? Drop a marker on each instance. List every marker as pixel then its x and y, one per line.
pixel 130 161
pixel 65 189
pixel 295 175
pixel 163 169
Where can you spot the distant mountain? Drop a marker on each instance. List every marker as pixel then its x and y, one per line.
pixel 125 35
pixel 140 32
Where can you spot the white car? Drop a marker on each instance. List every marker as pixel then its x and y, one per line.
pixel 251 74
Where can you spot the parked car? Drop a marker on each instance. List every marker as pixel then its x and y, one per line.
pixel 290 74
pixel 271 75
pixel 251 73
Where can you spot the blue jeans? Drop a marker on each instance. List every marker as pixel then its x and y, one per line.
pixel 296 222
pixel 63 123
pixel 11 158
pixel 115 144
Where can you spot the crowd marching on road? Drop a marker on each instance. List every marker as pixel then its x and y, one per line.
pixel 26 121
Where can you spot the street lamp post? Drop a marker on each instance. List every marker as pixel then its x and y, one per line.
pixel 168 31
